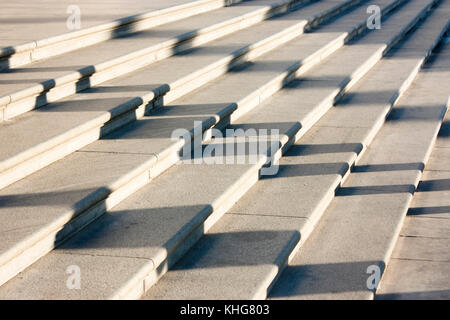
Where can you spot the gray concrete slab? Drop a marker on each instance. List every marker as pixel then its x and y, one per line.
pixel 99 277
pixel 421 247
pixel 443 140
pixel 423 226
pixel 234 260
pixel 415 280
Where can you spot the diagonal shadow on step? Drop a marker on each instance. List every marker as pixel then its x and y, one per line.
pixel 309 169
pixel 314 279
pixel 419 113
pixel 5 63
pixel 434 185
pixel 371 190
pixel 445 130
pixel 388 167
pixel 238 248
pixel 138 232
pixel 418 211
pixel 311 149
pixel 48 199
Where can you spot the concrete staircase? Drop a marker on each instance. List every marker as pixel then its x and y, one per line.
pixel 95 170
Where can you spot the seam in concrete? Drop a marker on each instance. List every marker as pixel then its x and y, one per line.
pixel 424 260
pixel 417 217
pixel 264 215
pixel 430 170
pixel 424 237
pixel 421 217
pixel 350 127
pixel 101 255
pixel 115 152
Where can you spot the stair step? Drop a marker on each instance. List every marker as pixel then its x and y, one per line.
pixel 50 43
pixel 83 118
pixel 243 254
pixel 75 71
pixel 357 233
pixel 200 211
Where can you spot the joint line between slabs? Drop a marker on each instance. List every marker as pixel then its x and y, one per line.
pixel 264 215
pixel 423 260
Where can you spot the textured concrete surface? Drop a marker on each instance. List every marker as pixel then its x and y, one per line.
pixel 420 264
